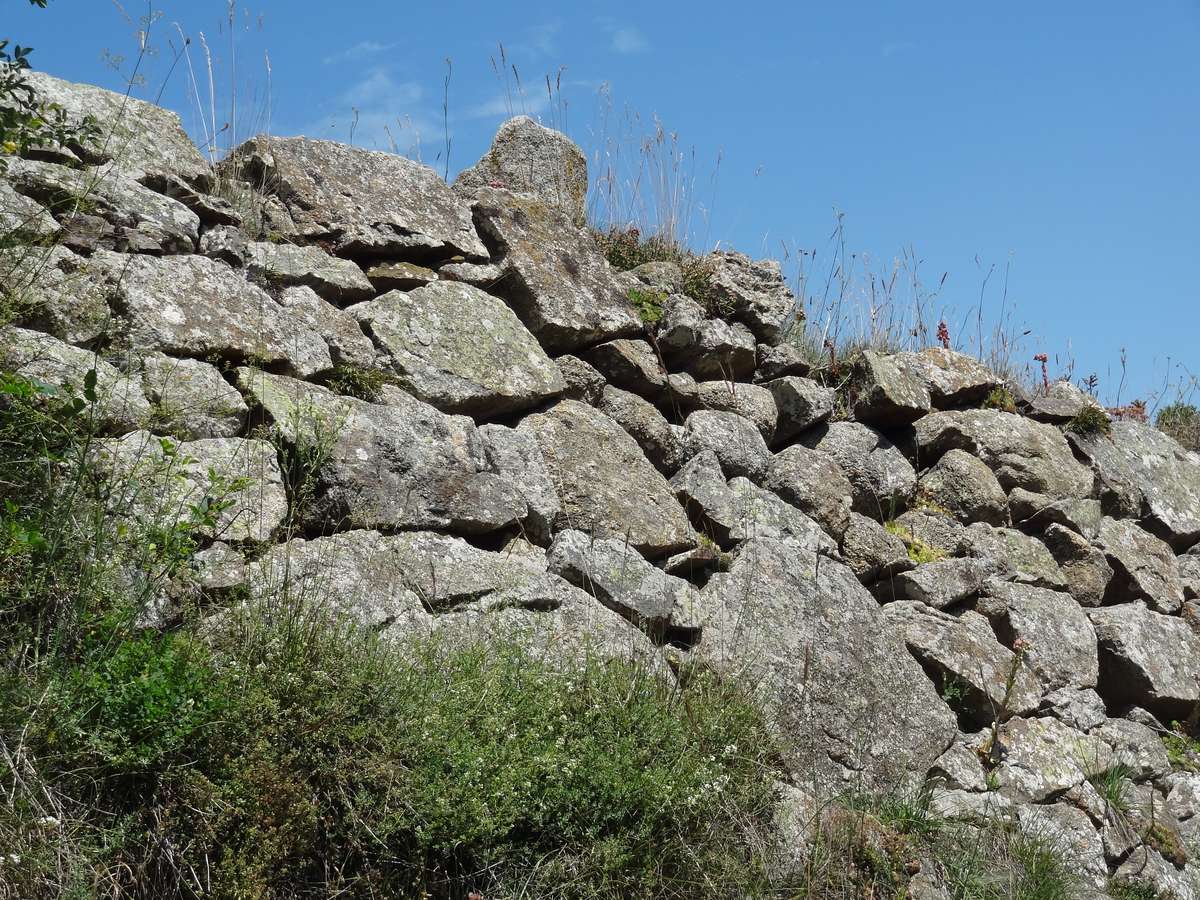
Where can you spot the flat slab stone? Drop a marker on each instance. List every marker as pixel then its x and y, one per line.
pixel 460 349
pixel 54 291
pixel 1147 659
pixel 287 265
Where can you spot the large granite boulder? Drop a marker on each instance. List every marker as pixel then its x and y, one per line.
pixel 1022 453
pixel 755 292
pixel 800 404
pixel 841 688
pixel 140 137
pixel 883 480
pixel 658 439
pixel 51 290
pixel 195 306
pixel 348 346
pixel 517 456
pixel 460 349
pixel 554 274
pixel 1144 567
pixel 952 379
pixel 528 158
pixel 606 484
pixel 1147 659
pixel 736 442
pixel 964 486
pixel 363 202
pixel 395 464
pixel 288 265
pixel 704 347
pixel 1085 568
pixel 813 482
pixel 887 395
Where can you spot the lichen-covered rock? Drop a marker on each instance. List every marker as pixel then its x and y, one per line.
pixel 484 276
pixel 750 401
pixel 1022 453
pixel 1035 512
pixel 139 220
pixel 23 219
pixel 141 137
pixel 786 621
pixel 399 464
pixel 404 276
pixel 873 552
pixel 965 650
pixel 227 244
pixel 952 379
pixel 516 456
pixel 1146 866
pixel 1144 568
pixel 583 382
pixel 164 482
pixel 606 484
pixel 529 158
pixel 801 403
pixel 195 306
pixel 1189 575
pixel 755 291
pixel 813 482
pixel 1147 659
pixel 362 201
pixel 1060 404
pixel 213 211
pixel 960 483
pixel 348 346
pixel 618 576
pixel 1041 758
pixel 738 510
pixel 1079 708
pixel 288 265
pixel 706 348
pixel 120 404
pixel 52 290
pixel 1014 556
pixel 780 361
pixel 1135 746
pixel 1060 640
pixel 460 349
pixel 940 584
pixel 631 365
pixel 1146 474
pixel 886 394
pixel 646 425
pixel 190 399
pixel 883 480
pixel 554 274
pixel 735 441
pixel 1085 568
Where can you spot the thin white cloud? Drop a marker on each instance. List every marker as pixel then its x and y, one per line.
pixel 360 51
pixel 504 106
pixel 380 113
pixel 628 40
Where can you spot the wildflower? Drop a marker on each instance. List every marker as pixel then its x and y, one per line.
pixel 943 335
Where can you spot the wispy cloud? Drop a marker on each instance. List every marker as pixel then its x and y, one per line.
pixel 359 52
pixel 502 106
pixel 379 113
pixel 629 40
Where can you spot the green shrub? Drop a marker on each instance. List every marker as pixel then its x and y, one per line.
pixel 626 249
pixel 1182 422
pixel 1091 420
pixel 357 381
pixel 648 303
pixel 1001 398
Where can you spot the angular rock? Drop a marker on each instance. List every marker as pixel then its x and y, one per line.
pixel 804 632
pixel 1022 453
pixel 750 401
pixel 1014 556
pixel 460 349
pixel 967 488
pixel 630 365
pixel 965 649
pixel 142 138
pixel 618 576
pixel 646 425
pixel 528 158
pixel 706 348
pixel 1060 404
pixel 1146 867
pixel 1085 568
pixel 1135 746
pixel 801 403
pixel 607 486
pixel 227 244
pixel 288 265
pixel 52 290
pixel 583 382
pixel 141 220
pixel 1082 709
pixel 162 481
pixel 190 399
pixel 958 769
pixel 193 306
pixel 1042 757
pixel 883 480
pixel 1061 643
pixel 940 584
pixel 1037 513
pixel 756 293
pixel 120 404
pixel 887 395
pixel 348 346
pixel 779 362
pixel 1144 568
pixel 952 379
pixel 1189 575
pixel 516 456
pixel 812 482
pixel 212 211
pixel 1068 832
pixel 1146 474
pixel 23 219
pixel 554 275
pixel 404 276
pixel 735 440
pixel 364 202
pixel 871 551
pixel 1147 659
pixel 397 465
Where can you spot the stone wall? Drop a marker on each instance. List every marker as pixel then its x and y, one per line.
pixel 498 443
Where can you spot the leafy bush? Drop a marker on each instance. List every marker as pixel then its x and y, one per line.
pixel 648 303
pixel 1182 422
pixel 1090 420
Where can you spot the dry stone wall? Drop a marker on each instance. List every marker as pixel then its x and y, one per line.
pixel 917 587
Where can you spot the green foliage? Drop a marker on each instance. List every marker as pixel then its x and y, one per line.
pixel 648 303
pixel 1001 398
pixel 1091 420
pixel 357 381
pixel 920 551
pixel 1128 889
pixel 626 249
pixel 1183 749
pixel 1113 785
pixel 1182 422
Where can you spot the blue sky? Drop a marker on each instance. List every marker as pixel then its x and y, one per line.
pixel 1057 143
